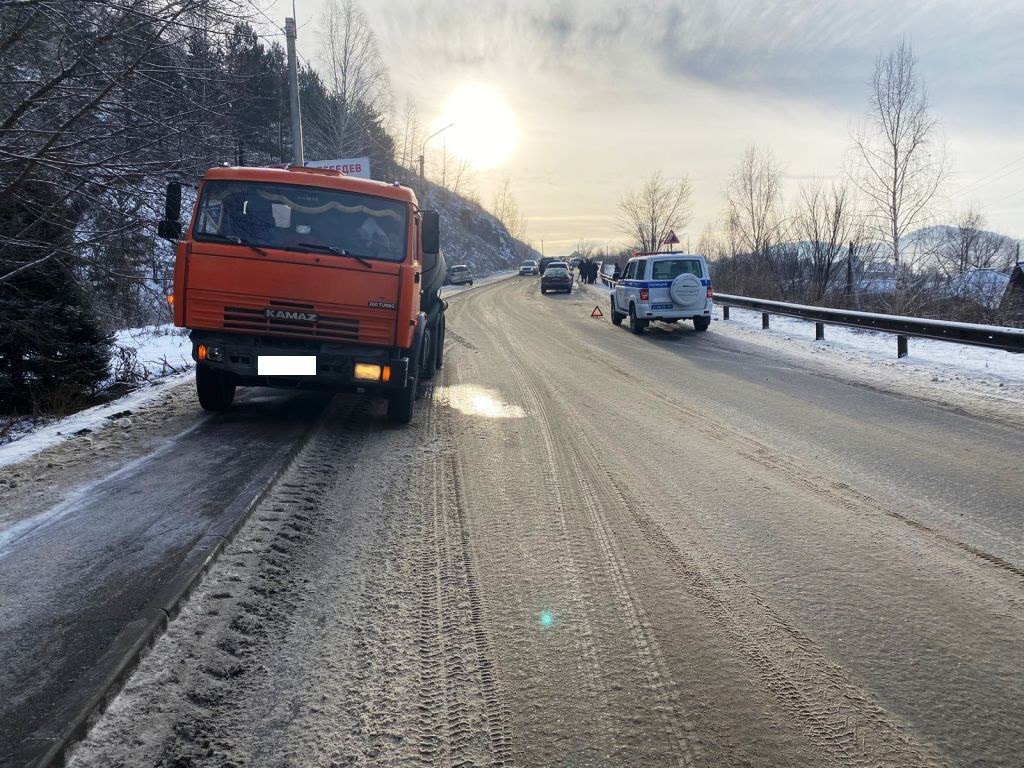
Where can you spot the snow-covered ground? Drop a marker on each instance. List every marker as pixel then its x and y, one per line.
pixel 954 371
pixel 160 357
pixel 938 358
pixel 160 350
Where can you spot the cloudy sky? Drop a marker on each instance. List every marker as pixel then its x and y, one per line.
pixel 603 93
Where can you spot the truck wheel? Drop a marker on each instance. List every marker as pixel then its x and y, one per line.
pixel 216 389
pixel 400 403
pixel 427 366
pixel 442 326
pixel 636 325
pixel 701 323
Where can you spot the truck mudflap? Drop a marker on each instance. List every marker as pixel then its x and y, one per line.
pixel 265 361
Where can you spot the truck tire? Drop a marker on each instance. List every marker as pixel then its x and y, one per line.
pixel 400 403
pixel 427 366
pixel 701 323
pixel 442 325
pixel 216 389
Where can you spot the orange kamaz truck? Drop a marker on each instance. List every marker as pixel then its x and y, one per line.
pixel 306 278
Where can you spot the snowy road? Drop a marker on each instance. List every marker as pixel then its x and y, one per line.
pixel 597 549
pixel 97 533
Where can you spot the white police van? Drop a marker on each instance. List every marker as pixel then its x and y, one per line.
pixel 666 287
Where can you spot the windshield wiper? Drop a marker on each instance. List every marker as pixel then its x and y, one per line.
pixel 337 252
pixel 233 240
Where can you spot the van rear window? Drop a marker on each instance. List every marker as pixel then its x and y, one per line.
pixel 670 269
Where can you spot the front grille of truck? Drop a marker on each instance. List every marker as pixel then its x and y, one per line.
pixel 255 320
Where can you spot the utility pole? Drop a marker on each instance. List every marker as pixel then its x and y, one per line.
pixel 293 87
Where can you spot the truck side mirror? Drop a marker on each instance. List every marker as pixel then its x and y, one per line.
pixel 170 227
pixel 430 232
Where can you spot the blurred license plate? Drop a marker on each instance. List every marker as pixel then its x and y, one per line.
pixel 286 365
pixel 661 306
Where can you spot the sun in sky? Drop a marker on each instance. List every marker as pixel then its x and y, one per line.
pixel 484 130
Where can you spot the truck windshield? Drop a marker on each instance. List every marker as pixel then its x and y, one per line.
pixel 300 218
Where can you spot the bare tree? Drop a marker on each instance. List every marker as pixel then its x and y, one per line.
pixel 506 210
pixel 410 134
pixel 97 98
pixel 967 245
pixel 826 223
pixel 354 73
pixel 900 162
pixel 660 206
pixel 754 209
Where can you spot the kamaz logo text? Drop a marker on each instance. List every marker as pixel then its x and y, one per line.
pixel 285 314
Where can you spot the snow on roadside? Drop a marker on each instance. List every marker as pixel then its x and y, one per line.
pixel 940 359
pixel 957 371
pixel 159 349
pixel 163 356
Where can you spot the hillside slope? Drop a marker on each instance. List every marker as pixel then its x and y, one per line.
pixel 472 236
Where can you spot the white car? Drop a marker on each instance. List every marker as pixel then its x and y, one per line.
pixel 666 287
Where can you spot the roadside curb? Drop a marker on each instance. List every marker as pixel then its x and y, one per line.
pixel 134 641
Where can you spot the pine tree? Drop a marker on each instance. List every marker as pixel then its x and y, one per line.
pixel 52 348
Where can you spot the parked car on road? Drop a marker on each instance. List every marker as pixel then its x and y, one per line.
pixel 666 287
pixel 529 267
pixel 460 274
pixel 556 278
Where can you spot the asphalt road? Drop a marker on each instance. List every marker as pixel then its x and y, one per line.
pixel 597 549
pixel 81 576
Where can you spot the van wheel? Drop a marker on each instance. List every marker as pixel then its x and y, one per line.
pixel 616 315
pixel 216 389
pixel 636 325
pixel 701 323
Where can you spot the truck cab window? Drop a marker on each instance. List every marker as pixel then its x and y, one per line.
pixel 291 217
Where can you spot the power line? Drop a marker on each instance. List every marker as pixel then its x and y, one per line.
pixel 987 179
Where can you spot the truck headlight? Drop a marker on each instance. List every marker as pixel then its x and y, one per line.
pixel 367 372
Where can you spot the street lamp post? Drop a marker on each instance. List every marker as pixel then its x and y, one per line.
pixel 423 147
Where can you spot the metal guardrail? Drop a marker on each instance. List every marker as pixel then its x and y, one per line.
pixel 993 336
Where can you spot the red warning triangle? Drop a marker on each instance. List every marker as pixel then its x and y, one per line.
pixel 597 312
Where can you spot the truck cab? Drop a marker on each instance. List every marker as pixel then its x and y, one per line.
pixel 304 277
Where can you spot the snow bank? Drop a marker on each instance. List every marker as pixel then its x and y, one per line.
pixel 874 348
pixel 938 367
pixel 162 358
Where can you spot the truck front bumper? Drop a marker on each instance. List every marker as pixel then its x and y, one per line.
pixel 336 364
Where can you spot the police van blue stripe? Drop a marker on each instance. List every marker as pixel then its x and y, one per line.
pixel 654 283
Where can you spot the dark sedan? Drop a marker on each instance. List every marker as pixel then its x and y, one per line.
pixel 556 279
